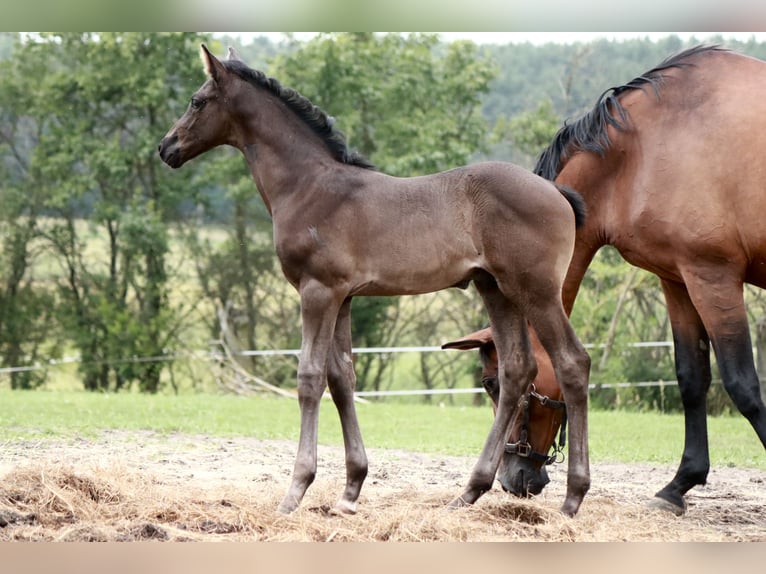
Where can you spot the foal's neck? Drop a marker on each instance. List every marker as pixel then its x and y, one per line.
pixel 284 155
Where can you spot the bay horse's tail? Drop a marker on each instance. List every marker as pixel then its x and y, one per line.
pixel 576 201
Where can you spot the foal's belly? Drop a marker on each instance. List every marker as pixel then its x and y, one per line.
pixel 416 280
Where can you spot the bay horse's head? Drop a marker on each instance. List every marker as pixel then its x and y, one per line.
pixel 208 121
pixel 531 443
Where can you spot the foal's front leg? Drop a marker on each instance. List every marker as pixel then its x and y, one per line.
pixel 319 311
pixel 342 381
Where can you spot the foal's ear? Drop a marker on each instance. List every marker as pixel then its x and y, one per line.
pixel 213 66
pixel 233 55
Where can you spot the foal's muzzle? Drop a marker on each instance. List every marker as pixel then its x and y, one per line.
pixel 170 151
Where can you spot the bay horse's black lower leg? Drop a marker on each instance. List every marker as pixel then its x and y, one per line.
pixel 718 316
pixel 693 373
pixel 740 379
pixel 692 359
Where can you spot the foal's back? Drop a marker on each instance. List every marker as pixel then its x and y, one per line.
pixel 423 234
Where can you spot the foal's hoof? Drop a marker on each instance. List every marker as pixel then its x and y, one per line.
pixel 658 503
pixel 570 508
pixel 459 502
pixel 344 507
pixel 287 506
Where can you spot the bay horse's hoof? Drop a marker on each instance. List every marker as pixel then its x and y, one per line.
pixel 658 503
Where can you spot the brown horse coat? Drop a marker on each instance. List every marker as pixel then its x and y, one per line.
pixel 342 230
pixel 672 167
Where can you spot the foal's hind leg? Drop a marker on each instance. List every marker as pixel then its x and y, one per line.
pixel 342 381
pixel 319 311
pixel 516 369
pixel 571 364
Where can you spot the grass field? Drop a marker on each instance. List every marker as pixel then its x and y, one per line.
pixel 614 435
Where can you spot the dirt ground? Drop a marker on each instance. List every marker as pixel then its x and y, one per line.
pixel 142 486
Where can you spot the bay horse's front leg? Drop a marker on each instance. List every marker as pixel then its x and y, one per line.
pixel 319 312
pixel 342 381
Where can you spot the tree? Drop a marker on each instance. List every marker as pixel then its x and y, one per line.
pixel 527 133
pixel 102 102
pixel 27 326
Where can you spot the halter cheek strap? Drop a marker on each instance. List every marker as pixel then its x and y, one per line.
pixel 522 447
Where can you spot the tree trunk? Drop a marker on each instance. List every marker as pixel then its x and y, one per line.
pixel 613 324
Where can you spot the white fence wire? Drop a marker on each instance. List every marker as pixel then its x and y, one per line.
pixel 214 355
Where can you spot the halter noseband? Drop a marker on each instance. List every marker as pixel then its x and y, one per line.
pixel 522 446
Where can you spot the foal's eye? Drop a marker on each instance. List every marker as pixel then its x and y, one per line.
pixel 197 103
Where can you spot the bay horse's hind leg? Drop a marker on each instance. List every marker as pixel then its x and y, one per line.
pixel 719 300
pixel 692 359
pixel 571 363
pixel 711 304
pixel 516 369
pixel 319 312
pixel 342 381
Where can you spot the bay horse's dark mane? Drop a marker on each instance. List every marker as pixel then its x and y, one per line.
pixel 589 132
pixel 314 117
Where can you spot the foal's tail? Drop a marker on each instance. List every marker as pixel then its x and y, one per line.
pixel 576 201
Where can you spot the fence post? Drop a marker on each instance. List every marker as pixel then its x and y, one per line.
pixel 760 353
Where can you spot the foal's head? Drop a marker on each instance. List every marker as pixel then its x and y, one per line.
pixel 522 470
pixel 208 121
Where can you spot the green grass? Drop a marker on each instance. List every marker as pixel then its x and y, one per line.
pixel 614 436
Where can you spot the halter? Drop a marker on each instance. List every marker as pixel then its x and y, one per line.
pixel 522 446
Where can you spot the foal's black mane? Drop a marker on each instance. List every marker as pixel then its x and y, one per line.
pixel 314 117
pixel 589 132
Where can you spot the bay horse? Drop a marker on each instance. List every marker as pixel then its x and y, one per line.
pixel 540 416
pixel 342 229
pixel 672 167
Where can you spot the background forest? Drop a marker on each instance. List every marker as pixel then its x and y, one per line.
pixel 118 274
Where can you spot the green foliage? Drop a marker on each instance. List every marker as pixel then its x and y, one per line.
pixel 27 317
pixel 409 103
pixel 92 263
pixel 529 132
pixel 97 105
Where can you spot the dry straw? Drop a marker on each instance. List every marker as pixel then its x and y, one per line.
pixel 41 503
pixel 142 487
